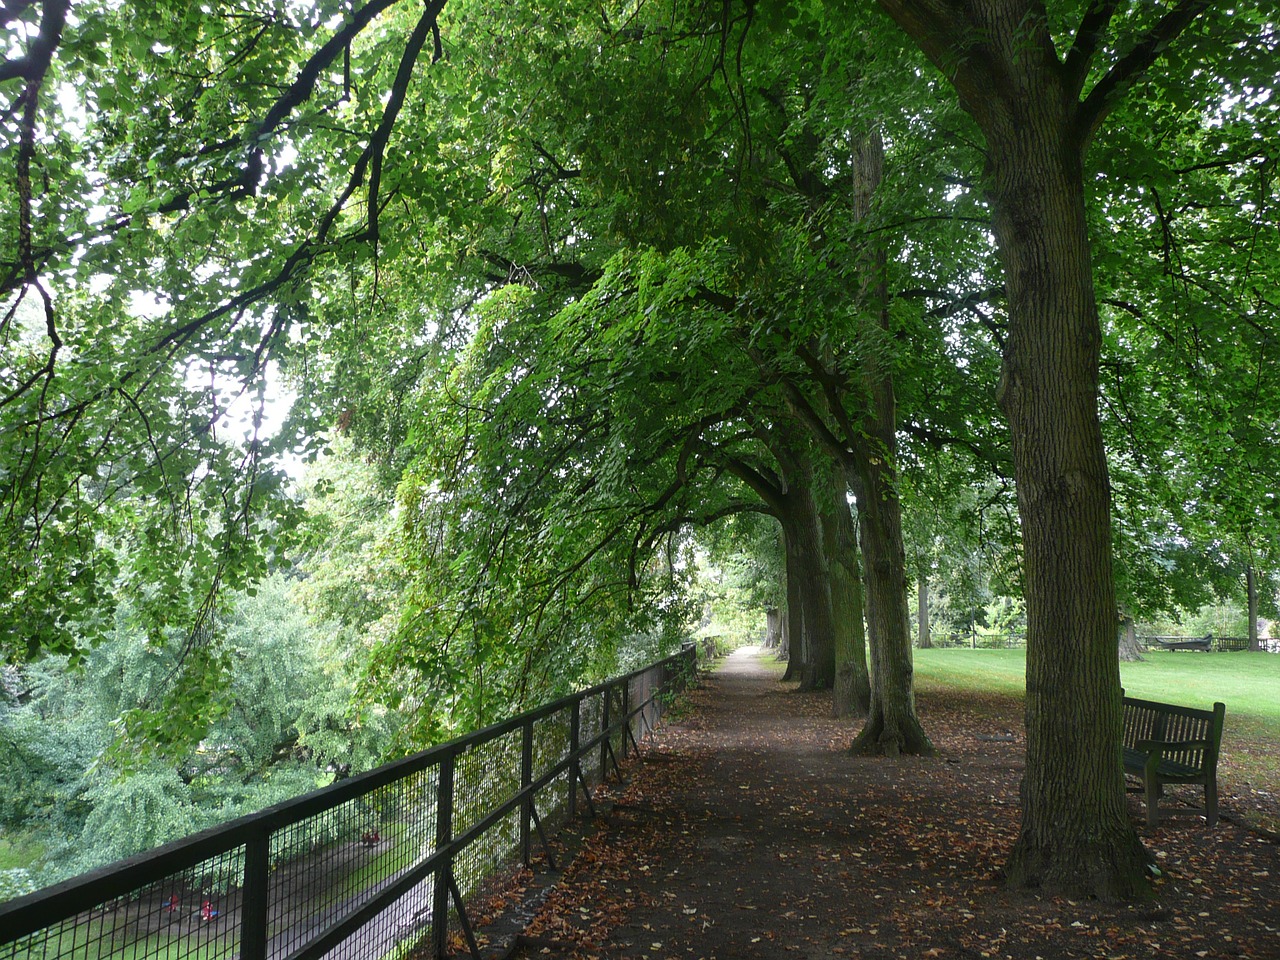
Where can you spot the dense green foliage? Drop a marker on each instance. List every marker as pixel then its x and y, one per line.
pixel 281 724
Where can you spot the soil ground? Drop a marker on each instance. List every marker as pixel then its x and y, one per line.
pixel 746 830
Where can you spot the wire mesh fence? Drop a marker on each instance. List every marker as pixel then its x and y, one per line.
pixel 981 641
pixel 373 867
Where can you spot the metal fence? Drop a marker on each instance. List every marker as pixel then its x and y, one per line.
pixel 982 641
pixel 367 868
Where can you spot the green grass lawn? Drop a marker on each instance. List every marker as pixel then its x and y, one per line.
pixel 772 664
pixel 1248 683
pixel 19 851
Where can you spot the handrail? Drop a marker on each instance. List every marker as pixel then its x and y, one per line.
pixel 250 865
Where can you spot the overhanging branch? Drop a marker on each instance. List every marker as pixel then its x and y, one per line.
pixel 1126 71
pixel 1088 37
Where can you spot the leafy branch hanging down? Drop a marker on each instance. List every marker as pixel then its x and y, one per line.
pixel 159 240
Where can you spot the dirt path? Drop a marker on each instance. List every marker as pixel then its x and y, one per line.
pixel 747 831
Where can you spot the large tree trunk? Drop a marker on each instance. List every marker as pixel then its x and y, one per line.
pixel 924 641
pixel 851 695
pixel 808 595
pixel 1251 590
pixel 796 651
pixel 784 615
pixel 1076 835
pixel 892 725
pixel 773 629
pixel 1030 101
pixel 818 670
pixel 1130 651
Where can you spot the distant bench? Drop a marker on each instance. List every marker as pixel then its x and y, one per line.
pixel 1166 743
pixel 1199 643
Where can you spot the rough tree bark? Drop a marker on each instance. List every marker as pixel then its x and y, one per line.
pixel 861 455
pixel 796 648
pixel 789 494
pixel 1130 651
pixel 851 695
pixel 1251 590
pixel 892 724
pixel 784 640
pixel 784 635
pixel 773 629
pixel 1076 835
pixel 805 538
pixel 1037 119
pixel 925 641
pixel 1075 832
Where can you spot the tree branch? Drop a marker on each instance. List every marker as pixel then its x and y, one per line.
pixel 1126 71
pixel 946 33
pixel 35 64
pixel 847 455
pixel 767 488
pixel 399 89
pixel 12 10
pixel 304 84
pixel 1088 36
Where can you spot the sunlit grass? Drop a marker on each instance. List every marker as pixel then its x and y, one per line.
pixel 19 852
pixel 1248 683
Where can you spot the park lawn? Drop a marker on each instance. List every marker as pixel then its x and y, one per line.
pixel 19 851
pixel 1248 683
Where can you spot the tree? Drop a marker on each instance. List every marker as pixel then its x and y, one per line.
pixel 85 776
pixel 160 240
pixel 793 495
pixel 1183 234
pixel 1038 111
pixel 851 695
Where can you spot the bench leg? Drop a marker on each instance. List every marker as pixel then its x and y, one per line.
pixel 1153 800
pixel 1211 802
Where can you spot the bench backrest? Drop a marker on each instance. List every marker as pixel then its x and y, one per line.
pixel 1152 720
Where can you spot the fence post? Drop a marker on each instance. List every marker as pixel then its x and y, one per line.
pixel 526 778
pixel 626 715
pixel 575 767
pixel 604 729
pixel 444 872
pixel 657 694
pixel 254 896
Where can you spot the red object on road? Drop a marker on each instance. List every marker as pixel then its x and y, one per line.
pixel 207 911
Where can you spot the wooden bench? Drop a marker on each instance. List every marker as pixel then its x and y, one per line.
pixel 1199 643
pixel 1165 743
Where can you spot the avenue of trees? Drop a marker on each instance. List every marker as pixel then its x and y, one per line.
pixel 841 295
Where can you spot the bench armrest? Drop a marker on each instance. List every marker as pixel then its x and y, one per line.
pixel 1160 746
